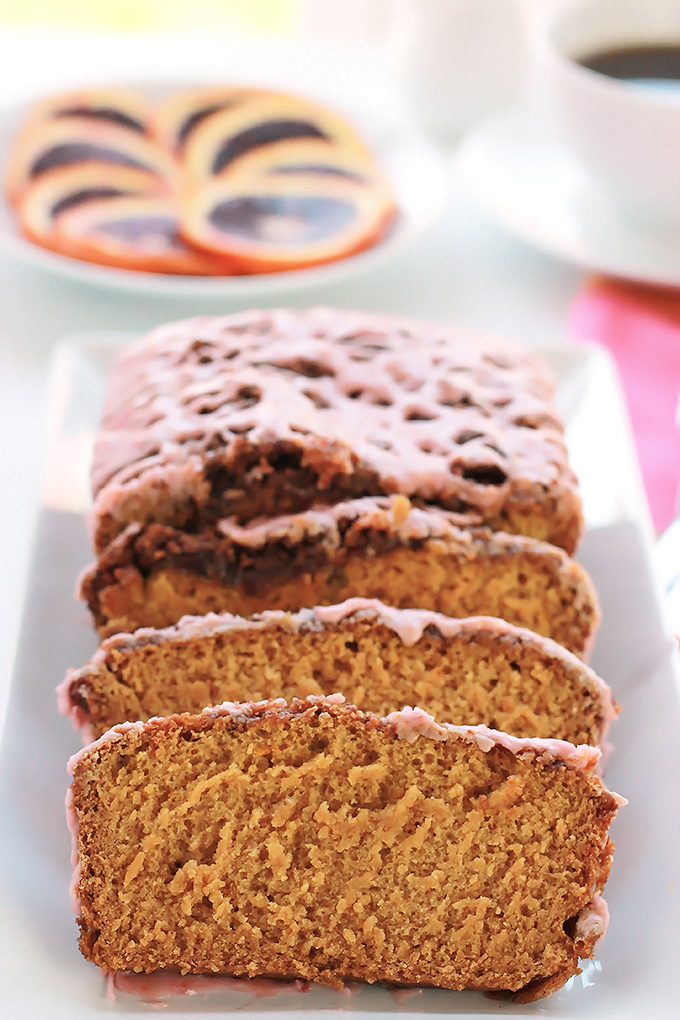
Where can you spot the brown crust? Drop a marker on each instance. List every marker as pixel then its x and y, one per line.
pixel 263 413
pixel 250 565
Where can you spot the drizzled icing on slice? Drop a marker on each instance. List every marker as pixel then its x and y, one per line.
pixel 408 624
pixel 594 918
pixel 364 405
pixel 407 724
pixel 412 723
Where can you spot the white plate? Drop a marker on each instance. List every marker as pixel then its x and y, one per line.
pixel 415 167
pixel 521 174
pixel 42 975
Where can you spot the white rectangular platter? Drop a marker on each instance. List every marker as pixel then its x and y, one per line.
pixel 43 977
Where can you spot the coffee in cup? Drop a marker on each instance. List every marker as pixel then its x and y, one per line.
pixel 609 72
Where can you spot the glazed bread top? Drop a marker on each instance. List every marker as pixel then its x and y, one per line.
pixel 270 412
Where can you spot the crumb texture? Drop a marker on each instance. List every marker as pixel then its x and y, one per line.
pixel 484 671
pixel 154 576
pixel 318 845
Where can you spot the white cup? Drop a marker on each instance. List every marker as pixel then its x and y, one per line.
pixel 457 60
pixel 626 135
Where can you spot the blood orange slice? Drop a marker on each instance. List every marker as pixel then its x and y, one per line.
pixel 69 187
pixel 134 233
pixel 286 222
pixel 224 137
pixel 70 141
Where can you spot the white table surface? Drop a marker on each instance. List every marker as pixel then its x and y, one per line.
pixel 465 270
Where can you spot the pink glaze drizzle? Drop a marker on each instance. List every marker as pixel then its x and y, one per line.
pixel 408 624
pixel 387 395
pixel 408 724
pixel 67 705
pixel 72 823
pixel 115 733
pixel 373 512
pixel 412 723
pixel 160 985
pixel 156 987
pixel 593 920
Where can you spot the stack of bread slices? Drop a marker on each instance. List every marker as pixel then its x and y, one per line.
pixel 343 726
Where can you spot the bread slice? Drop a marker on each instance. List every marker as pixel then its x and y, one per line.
pixel 318 842
pixel 478 670
pixel 383 548
pixel 264 413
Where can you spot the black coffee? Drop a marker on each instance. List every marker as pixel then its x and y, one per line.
pixel 644 64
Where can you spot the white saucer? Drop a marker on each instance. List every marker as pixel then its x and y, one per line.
pixel 521 174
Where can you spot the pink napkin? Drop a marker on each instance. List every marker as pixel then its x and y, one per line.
pixel 640 326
